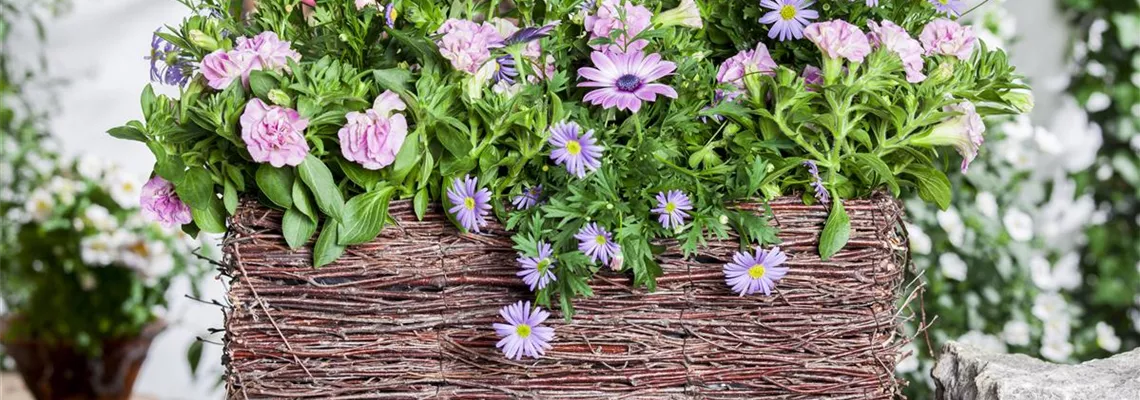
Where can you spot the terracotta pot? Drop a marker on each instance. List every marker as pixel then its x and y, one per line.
pixel 60 372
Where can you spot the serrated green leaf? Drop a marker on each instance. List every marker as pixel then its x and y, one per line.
pixel 881 170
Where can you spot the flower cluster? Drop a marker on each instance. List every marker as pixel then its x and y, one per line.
pixel 262 52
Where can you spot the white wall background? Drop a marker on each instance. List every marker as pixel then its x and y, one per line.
pixel 99 47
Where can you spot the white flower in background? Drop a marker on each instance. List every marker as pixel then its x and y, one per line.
pixel 64 189
pixel 1019 225
pixel 1080 138
pixel 40 205
pixel 1104 172
pixel 1095 69
pixel 908 359
pixel 1106 337
pixel 951 223
pixel 1059 327
pixel 1017 155
pixel 952 266
pixel 983 341
pixel 1096 34
pixel 919 241
pixel 1019 128
pixel 1134 315
pixel 87 282
pixel 1066 274
pixel 1097 102
pixel 91 167
pixel 124 189
pixel 1041 273
pixel 1050 306
pixel 1048 142
pixel 1016 333
pixel 1062 220
pixel 1134 142
pixel 987 204
pixel 98 250
pixel 150 259
pixel 7 175
pixel 1056 349
pixel 99 218
pixel 39 165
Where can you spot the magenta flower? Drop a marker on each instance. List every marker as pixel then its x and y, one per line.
pixel 597 243
pixel 537 272
pixel 896 39
pixel 748 273
pixel 221 68
pixel 522 335
pixel 620 15
pixel 671 208
pixel 360 4
pixel 274 134
pixel 373 137
pixel 271 52
pixel 160 203
pixel 467 44
pixel 963 131
pixel 788 17
pixel 839 39
pixel 470 205
pixel 529 198
pixel 734 69
pixel 624 80
pixel 579 151
pixel 946 37
pixel 949 7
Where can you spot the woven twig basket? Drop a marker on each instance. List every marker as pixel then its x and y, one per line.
pixel 409 316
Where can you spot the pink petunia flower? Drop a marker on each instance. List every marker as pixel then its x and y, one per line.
pixel 610 17
pixel 160 203
pixel 624 80
pixel 467 44
pixel 734 69
pixel 221 68
pixel 373 137
pixel 839 39
pixel 946 37
pixel 274 134
pixel 896 39
pixel 271 52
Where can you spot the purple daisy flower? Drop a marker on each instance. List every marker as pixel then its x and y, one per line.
pixel 538 271
pixel 522 335
pixel 470 205
pixel 671 207
pixel 528 198
pixel 579 151
pixel 597 243
pixel 821 192
pixel 167 64
pixel 748 273
pixel 390 15
pixel 505 70
pixel 529 34
pixel 950 7
pixel 788 17
pixel 624 80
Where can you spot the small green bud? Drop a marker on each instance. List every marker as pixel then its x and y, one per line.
pixel 723 219
pixel 202 40
pixel 609 206
pixel 1022 100
pixel 942 74
pixel 731 129
pixel 279 97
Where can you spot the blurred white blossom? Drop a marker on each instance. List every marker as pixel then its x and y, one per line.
pixel 983 341
pixel 1016 333
pixel 987 204
pixel 40 205
pixel 953 267
pixel 919 241
pixel 1056 349
pixel 1106 337
pixel 1019 225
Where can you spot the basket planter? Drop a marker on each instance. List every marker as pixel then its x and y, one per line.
pixel 409 316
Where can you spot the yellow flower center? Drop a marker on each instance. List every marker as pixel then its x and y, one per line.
pixel 670 207
pixel 573 147
pixel 600 239
pixel 43 206
pixel 944 2
pixel 756 272
pixel 523 330
pixel 788 12
pixel 469 203
pixel 140 249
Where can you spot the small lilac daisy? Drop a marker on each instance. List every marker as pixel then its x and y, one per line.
pixel 624 80
pixel 522 334
pixel 748 273
pixel 671 207
pixel 167 64
pixel 821 192
pixel 788 17
pixel 579 151
pixel 505 70
pixel 470 205
pixel 597 243
pixel 390 15
pixel 528 198
pixel 949 7
pixel 538 271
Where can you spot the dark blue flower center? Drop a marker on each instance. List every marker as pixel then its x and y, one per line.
pixel 628 83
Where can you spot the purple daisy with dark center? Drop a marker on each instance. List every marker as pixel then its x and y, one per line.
pixel 624 80
pixel 949 7
pixel 759 272
pixel 788 17
pixel 505 70
pixel 597 243
pixel 671 208
pixel 579 151
pixel 470 205
pixel 528 198
pixel 167 64
pixel 529 34
pixel 522 334
pixel 537 272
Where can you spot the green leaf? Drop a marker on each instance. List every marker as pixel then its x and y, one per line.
pixel 933 186
pixel 327 250
pixel 261 82
pixel 364 217
pixel 212 218
pixel 230 197
pixel 196 188
pixel 302 202
pixel 128 133
pixel 147 100
pixel 298 228
pixel 320 180
pixel 406 158
pixel 420 203
pixel 454 141
pixel 194 356
pixel 277 184
pixel 365 178
pixel 836 232
pixel 880 169
pixel 394 79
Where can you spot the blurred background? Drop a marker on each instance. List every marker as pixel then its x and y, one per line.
pixel 1039 254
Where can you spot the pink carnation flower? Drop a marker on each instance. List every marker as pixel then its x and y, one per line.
pixel 274 134
pixel 467 44
pixel 734 69
pixel 272 53
pixel 609 18
pixel 221 68
pixel 160 203
pixel 373 137
pixel 896 39
pixel 839 39
pixel 946 37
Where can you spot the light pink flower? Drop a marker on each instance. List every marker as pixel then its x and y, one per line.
pixel 733 70
pixel 946 37
pixel 274 134
pixel 160 203
pixel 964 131
pixel 839 39
pixel 221 68
pixel 625 80
pixel 897 40
pixel 609 18
pixel 467 44
pixel 813 77
pixel 373 137
pixel 360 4
pixel 272 53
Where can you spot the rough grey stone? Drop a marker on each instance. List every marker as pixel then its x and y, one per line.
pixel 967 373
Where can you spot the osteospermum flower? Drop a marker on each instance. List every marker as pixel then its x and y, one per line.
pixel 821 192
pixel 537 272
pixel 579 151
pixel 167 63
pixel 624 80
pixel 522 335
pixel 671 207
pixel 788 17
pixel 528 198
pixel 597 243
pixel 751 273
pixel 470 205
pixel 950 7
